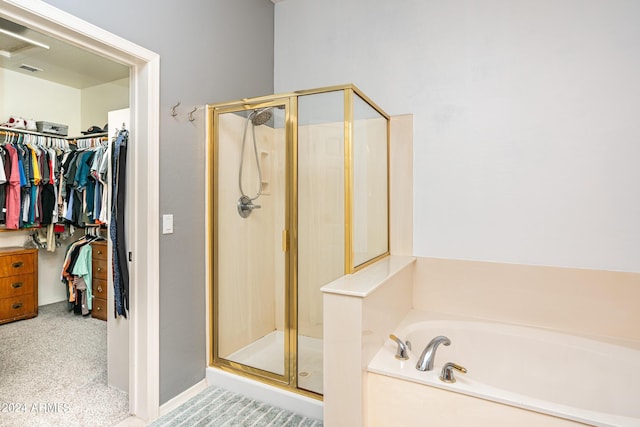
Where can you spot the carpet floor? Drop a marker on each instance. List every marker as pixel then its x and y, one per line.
pixel 216 407
pixel 53 372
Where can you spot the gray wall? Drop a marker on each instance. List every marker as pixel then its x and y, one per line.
pixel 525 117
pixel 211 51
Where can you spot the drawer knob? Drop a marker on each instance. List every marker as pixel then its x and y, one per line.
pixel 17 305
pixel 99 268
pixel 17 264
pixel 99 288
pixel 98 308
pixel 99 251
pixel 17 285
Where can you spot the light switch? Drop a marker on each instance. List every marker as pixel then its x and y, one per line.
pixel 167 224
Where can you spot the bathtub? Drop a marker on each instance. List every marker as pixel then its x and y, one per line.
pixel 570 377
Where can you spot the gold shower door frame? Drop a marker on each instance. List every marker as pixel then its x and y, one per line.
pixel 289 380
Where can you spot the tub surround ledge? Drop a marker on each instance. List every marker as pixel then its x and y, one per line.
pixel 364 282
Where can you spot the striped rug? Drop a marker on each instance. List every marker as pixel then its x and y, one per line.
pixel 215 407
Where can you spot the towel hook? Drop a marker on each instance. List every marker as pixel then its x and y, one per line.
pixel 191 118
pixel 173 109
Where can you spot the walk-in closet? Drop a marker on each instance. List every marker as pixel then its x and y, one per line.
pixel 64 136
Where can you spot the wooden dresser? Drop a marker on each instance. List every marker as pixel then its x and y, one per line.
pixel 18 284
pixel 99 279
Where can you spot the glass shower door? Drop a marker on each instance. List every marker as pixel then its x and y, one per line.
pixel 321 222
pixel 250 261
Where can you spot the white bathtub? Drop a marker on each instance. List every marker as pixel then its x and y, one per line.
pixel 566 376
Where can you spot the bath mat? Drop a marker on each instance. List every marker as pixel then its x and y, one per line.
pixel 216 407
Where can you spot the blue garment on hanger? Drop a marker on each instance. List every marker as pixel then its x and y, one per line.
pixel 116 225
pixel 23 177
pixel 32 204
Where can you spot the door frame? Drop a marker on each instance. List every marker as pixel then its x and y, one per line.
pixel 287 379
pixel 144 364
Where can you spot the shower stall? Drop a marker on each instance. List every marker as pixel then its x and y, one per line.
pixel 298 197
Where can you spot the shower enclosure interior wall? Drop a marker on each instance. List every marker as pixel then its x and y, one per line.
pixel 298 197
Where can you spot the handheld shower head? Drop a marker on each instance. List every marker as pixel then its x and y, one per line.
pixel 260 116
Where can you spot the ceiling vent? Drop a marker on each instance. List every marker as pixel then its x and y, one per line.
pixel 30 68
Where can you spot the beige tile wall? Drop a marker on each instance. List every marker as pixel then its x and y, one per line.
pixel 247 309
pixel 370 237
pixel 603 304
pixel 401 185
pixel 320 218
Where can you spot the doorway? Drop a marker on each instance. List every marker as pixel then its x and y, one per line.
pixel 144 101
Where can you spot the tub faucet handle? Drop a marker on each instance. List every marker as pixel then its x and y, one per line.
pixel 447 372
pixel 403 348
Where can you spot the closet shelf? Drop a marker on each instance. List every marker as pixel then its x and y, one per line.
pixel 3 229
pixel 51 135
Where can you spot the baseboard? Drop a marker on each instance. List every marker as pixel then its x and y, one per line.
pixel 172 404
pixel 131 421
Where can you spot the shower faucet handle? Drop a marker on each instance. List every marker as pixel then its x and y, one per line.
pixel 246 206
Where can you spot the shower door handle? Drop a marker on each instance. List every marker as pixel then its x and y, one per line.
pixel 285 240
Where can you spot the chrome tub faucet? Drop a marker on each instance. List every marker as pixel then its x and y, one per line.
pixel 425 363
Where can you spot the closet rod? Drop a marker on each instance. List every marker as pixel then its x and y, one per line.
pixel 5 130
pixel 92 135
pixel 70 139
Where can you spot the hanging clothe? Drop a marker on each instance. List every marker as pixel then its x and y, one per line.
pixel 44 182
pixel 38 186
pixel 3 180
pixel 117 224
pixel 13 190
pixel 76 274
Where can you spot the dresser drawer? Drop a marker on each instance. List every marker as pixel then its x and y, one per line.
pixel 99 250
pixel 99 268
pixel 99 288
pixel 16 285
pixel 99 310
pixel 11 265
pixel 16 306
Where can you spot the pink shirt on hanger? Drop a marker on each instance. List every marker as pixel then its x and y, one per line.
pixel 13 191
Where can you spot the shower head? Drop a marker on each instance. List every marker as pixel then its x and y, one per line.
pixel 260 116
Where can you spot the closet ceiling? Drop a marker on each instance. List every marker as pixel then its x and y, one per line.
pixel 24 51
